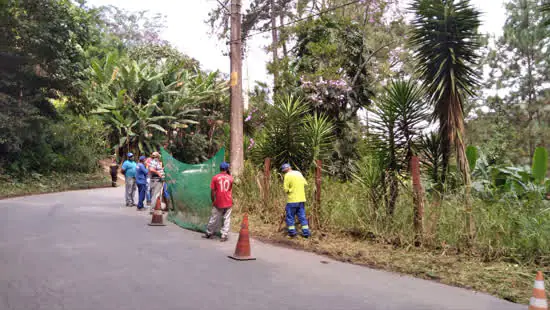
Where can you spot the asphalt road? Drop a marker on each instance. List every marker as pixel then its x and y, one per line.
pixel 81 250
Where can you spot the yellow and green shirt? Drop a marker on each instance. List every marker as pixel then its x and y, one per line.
pixel 294 185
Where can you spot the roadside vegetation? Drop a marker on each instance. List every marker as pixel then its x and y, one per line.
pixel 355 86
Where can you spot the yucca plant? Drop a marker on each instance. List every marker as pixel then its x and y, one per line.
pixel 319 135
pixel 445 39
pixel 398 119
pixel 412 108
pixel 371 175
pixel 293 135
pixel 429 148
pixel 283 138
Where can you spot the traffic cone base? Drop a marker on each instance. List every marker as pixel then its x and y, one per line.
pixel 241 258
pixel 157 219
pixel 538 301
pixel 242 250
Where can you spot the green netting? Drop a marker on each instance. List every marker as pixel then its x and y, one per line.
pixel 189 188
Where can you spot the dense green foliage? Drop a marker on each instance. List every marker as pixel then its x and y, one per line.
pixel 42 55
pixel 77 83
pixel 356 86
pixel 428 98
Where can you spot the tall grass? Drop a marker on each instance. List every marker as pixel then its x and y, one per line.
pixel 506 229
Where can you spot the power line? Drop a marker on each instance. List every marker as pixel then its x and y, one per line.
pixel 302 19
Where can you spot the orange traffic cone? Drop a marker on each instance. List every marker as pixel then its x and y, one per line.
pixel 157 219
pixel 538 301
pixel 242 250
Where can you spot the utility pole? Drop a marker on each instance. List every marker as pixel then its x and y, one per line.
pixel 236 152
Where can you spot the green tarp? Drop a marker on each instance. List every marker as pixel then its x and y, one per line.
pixel 189 188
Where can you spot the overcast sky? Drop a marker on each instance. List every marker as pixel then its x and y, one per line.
pixel 187 31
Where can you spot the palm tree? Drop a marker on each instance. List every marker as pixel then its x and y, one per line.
pixel 445 39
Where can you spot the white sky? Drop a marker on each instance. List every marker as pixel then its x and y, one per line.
pixel 187 31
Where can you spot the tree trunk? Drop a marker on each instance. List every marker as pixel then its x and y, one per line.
pixel 446 156
pixel 394 192
pixel 462 163
pixel 394 185
pixel 281 23
pixel 457 120
pixel 274 45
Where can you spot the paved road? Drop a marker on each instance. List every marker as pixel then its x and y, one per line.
pixel 80 251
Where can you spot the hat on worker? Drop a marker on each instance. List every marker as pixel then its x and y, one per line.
pixel 130 154
pixel 224 166
pixel 284 167
pixel 155 155
pixel 141 158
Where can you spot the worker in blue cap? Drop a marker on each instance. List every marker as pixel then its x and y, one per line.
pixel 129 170
pixel 221 193
pixel 294 186
pixel 141 181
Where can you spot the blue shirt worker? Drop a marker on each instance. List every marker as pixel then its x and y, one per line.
pixel 294 185
pixel 141 181
pixel 129 170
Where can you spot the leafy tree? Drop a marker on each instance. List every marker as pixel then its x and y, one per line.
pixel 519 72
pixel 329 56
pixel 158 53
pixel 260 16
pixel 132 28
pixel 41 56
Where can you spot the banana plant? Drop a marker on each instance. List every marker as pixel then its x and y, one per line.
pixel 522 181
pixel 133 123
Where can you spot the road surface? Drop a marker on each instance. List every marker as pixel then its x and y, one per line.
pixel 83 251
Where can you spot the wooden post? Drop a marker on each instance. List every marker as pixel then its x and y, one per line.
pixel 236 118
pixel 316 214
pixel 417 200
pixel 267 180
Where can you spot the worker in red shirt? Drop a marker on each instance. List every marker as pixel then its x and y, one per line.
pixel 221 194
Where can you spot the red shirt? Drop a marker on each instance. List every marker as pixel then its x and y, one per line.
pixel 222 185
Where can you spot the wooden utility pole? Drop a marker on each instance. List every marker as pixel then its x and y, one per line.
pixel 418 200
pixel 236 152
pixel 267 181
pixel 316 214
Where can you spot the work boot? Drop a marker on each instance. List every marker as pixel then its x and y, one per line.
pixel 224 239
pixel 207 236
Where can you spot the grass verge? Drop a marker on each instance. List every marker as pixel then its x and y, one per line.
pixel 55 182
pixel 508 281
